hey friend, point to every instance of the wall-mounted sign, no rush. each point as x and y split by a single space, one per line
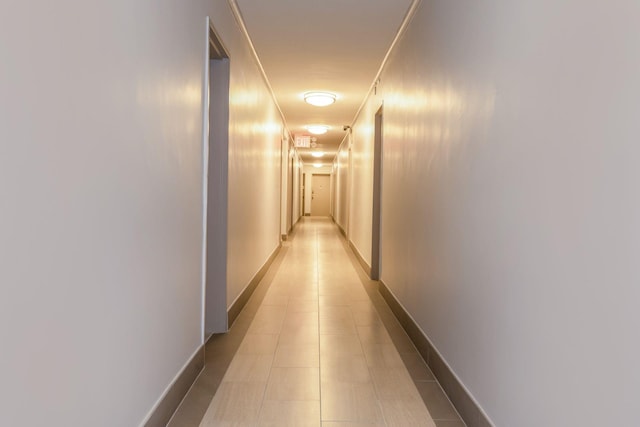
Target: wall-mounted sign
303 141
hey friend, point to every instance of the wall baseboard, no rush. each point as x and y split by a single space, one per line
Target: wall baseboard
344 234
366 267
164 409
467 407
241 301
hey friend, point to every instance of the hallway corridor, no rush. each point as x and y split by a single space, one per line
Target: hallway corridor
317 351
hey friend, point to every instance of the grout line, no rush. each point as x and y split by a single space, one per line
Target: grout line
317 284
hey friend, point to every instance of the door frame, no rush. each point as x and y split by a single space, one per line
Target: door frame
215 149
376 223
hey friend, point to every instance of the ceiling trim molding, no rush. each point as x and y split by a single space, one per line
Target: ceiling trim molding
401 30
237 14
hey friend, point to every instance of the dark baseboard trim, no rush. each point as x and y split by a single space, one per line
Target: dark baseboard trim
241 301
468 409
292 231
344 234
164 410
366 267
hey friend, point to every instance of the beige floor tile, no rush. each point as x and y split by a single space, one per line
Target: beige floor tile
332 312
358 294
249 367
293 384
406 413
298 337
298 328
340 345
304 292
258 344
234 402
356 402
344 369
277 413
393 384
302 274
383 355
374 334
278 288
301 318
365 317
334 325
304 306
340 276
331 288
276 299
350 424
268 320
334 299
297 356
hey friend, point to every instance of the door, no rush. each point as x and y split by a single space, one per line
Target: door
321 195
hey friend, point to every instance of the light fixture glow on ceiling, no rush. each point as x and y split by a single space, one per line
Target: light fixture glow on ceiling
319 99
317 129
317 165
317 153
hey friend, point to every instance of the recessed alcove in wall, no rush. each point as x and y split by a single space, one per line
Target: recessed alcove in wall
215 183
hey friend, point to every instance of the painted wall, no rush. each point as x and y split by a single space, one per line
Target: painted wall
254 166
101 201
511 212
361 182
341 171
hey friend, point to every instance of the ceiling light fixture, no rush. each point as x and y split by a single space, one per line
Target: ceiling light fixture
319 99
317 165
317 153
317 129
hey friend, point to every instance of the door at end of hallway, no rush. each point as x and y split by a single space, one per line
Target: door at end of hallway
321 195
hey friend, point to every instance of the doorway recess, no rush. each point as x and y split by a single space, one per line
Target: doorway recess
376 262
215 184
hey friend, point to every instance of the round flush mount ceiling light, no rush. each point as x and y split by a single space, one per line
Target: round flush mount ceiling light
317 154
319 99
317 129
317 165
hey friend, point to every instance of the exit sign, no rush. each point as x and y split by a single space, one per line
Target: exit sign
303 141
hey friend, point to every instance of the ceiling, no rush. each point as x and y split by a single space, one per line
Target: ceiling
335 46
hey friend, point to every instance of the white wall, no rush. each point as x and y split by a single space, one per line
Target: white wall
254 165
361 182
511 216
341 211
101 201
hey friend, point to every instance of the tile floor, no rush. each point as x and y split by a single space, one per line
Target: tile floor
315 346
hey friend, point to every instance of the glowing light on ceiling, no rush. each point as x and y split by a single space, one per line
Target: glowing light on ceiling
319 99
317 129
317 153
317 165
